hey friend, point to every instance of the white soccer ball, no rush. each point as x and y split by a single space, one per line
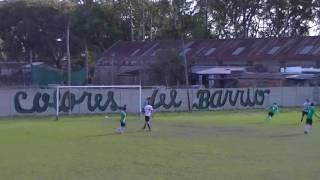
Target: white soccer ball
106 117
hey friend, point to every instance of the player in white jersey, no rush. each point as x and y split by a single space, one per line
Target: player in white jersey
306 106
148 109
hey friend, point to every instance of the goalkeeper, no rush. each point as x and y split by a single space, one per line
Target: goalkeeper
123 116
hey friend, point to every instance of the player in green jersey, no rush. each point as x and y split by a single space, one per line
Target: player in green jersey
123 116
273 109
311 112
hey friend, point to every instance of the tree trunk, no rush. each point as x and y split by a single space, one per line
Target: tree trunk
131 22
206 20
151 25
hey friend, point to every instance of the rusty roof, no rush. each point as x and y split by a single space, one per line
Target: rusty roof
266 49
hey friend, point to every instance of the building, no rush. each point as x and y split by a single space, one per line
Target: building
11 73
126 62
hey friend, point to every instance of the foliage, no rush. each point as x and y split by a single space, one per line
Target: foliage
168 68
32 27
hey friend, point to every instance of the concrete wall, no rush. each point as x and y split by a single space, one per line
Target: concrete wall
90 101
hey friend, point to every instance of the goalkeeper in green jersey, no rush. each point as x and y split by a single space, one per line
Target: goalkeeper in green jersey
123 116
273 109
311 112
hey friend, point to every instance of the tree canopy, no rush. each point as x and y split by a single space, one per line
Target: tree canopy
37 28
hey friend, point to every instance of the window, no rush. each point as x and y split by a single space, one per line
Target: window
155 52
210 51
306 50
189 44
238 51
199 51
135 52
185 51
273 50
316 51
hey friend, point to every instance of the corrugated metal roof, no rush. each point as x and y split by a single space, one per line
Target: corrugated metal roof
302 76
217 70
267 49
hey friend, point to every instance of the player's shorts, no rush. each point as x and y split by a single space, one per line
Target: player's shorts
147 118
122 124
270 114
304 113
309 121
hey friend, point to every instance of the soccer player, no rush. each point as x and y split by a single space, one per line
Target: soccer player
148 109
123 116
310 114
306 106
273 109
146 102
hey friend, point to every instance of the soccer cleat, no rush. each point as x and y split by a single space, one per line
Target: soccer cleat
305 132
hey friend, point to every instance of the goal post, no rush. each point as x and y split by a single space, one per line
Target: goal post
97 99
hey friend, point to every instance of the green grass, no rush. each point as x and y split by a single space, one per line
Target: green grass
199 145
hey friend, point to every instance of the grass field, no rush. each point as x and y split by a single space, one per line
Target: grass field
197 146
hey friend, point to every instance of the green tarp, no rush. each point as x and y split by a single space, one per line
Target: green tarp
43 76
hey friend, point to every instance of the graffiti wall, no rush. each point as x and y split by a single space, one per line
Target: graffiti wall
86 101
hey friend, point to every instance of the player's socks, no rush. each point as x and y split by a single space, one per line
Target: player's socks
306 129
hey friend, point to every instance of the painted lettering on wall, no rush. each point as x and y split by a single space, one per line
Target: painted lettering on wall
219 98
26 102
42 101
163 98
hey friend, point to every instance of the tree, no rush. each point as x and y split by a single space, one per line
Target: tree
32 27
201 24
168 68
287 17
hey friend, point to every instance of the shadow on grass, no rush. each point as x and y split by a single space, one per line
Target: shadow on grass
287 135
283 124
111 134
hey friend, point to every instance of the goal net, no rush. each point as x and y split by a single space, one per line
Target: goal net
97 99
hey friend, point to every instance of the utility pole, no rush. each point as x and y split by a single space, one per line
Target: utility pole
68 53
87 63
69 63
30 59
112 69
186 74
